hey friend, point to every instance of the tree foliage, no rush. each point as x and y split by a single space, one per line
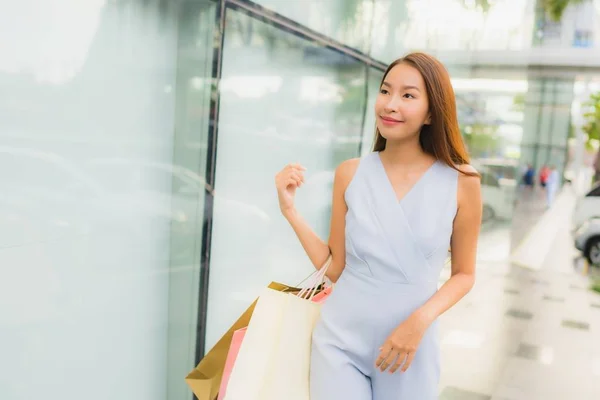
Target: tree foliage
592 119
556 8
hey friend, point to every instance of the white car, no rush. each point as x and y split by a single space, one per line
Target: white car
498 195
587 240
587 207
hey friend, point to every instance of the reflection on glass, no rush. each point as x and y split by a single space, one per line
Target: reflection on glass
428 24
97 220
282 100
347 21
374 81
547 120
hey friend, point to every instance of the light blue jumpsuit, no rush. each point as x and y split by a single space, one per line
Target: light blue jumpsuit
394 254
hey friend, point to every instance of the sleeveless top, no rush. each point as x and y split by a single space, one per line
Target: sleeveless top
404 241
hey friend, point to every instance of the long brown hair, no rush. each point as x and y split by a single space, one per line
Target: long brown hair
441 138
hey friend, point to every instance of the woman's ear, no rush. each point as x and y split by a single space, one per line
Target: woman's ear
428 119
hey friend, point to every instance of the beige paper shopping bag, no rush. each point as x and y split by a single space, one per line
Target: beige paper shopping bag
273 361
205 379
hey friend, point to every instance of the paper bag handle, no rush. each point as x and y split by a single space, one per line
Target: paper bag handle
318 278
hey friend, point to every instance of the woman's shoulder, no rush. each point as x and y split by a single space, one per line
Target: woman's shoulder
469 181
346 169
467 170
465 176
460 170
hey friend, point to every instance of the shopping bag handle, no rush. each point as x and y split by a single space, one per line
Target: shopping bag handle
314 274
318 278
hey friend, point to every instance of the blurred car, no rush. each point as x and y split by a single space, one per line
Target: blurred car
586 207
587 240
498 194
506 170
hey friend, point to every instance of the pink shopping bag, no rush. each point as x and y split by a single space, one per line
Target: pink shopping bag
234 348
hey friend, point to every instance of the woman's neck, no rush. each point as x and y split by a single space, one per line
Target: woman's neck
405 153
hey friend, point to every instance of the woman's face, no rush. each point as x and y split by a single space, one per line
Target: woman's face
402 107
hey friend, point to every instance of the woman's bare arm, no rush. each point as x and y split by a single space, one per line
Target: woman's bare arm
318 250
465 233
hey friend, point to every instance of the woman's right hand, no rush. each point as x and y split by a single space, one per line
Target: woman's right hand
287 181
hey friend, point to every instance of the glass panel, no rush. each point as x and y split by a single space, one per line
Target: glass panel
368 137
528 155
194 86
390 24
347 21
99 255
557 157
545 120
428 24
282 100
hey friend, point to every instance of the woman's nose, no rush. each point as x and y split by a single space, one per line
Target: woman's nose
393 104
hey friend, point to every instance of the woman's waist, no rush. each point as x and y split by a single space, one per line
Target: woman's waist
358 301
392 277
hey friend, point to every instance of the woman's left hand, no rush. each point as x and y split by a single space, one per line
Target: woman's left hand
402 344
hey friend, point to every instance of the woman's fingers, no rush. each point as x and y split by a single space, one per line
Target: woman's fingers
298 177
384 352
390 359
396 358
401 359
386 357
409 359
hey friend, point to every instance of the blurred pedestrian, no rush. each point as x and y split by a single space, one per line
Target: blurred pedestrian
544 173
552 185
529 176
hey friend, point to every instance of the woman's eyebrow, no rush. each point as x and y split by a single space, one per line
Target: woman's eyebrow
405 87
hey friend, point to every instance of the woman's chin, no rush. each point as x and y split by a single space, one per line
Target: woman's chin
398 136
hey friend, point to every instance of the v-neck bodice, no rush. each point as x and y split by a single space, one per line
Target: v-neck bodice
414 186
402 240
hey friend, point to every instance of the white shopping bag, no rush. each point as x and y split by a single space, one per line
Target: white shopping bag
273 362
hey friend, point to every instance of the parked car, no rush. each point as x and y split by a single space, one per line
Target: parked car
498 194
587 207
506 170
587 240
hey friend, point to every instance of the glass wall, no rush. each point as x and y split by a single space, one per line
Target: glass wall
347 21
368 135
384 28
104 113
194 93
547 120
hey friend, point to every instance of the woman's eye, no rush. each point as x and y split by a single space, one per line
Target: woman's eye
383 91
410 96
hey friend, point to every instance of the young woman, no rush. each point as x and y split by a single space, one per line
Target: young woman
395 212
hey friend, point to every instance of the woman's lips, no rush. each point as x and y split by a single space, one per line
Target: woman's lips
390 121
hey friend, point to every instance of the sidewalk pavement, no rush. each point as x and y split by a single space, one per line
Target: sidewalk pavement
525 332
